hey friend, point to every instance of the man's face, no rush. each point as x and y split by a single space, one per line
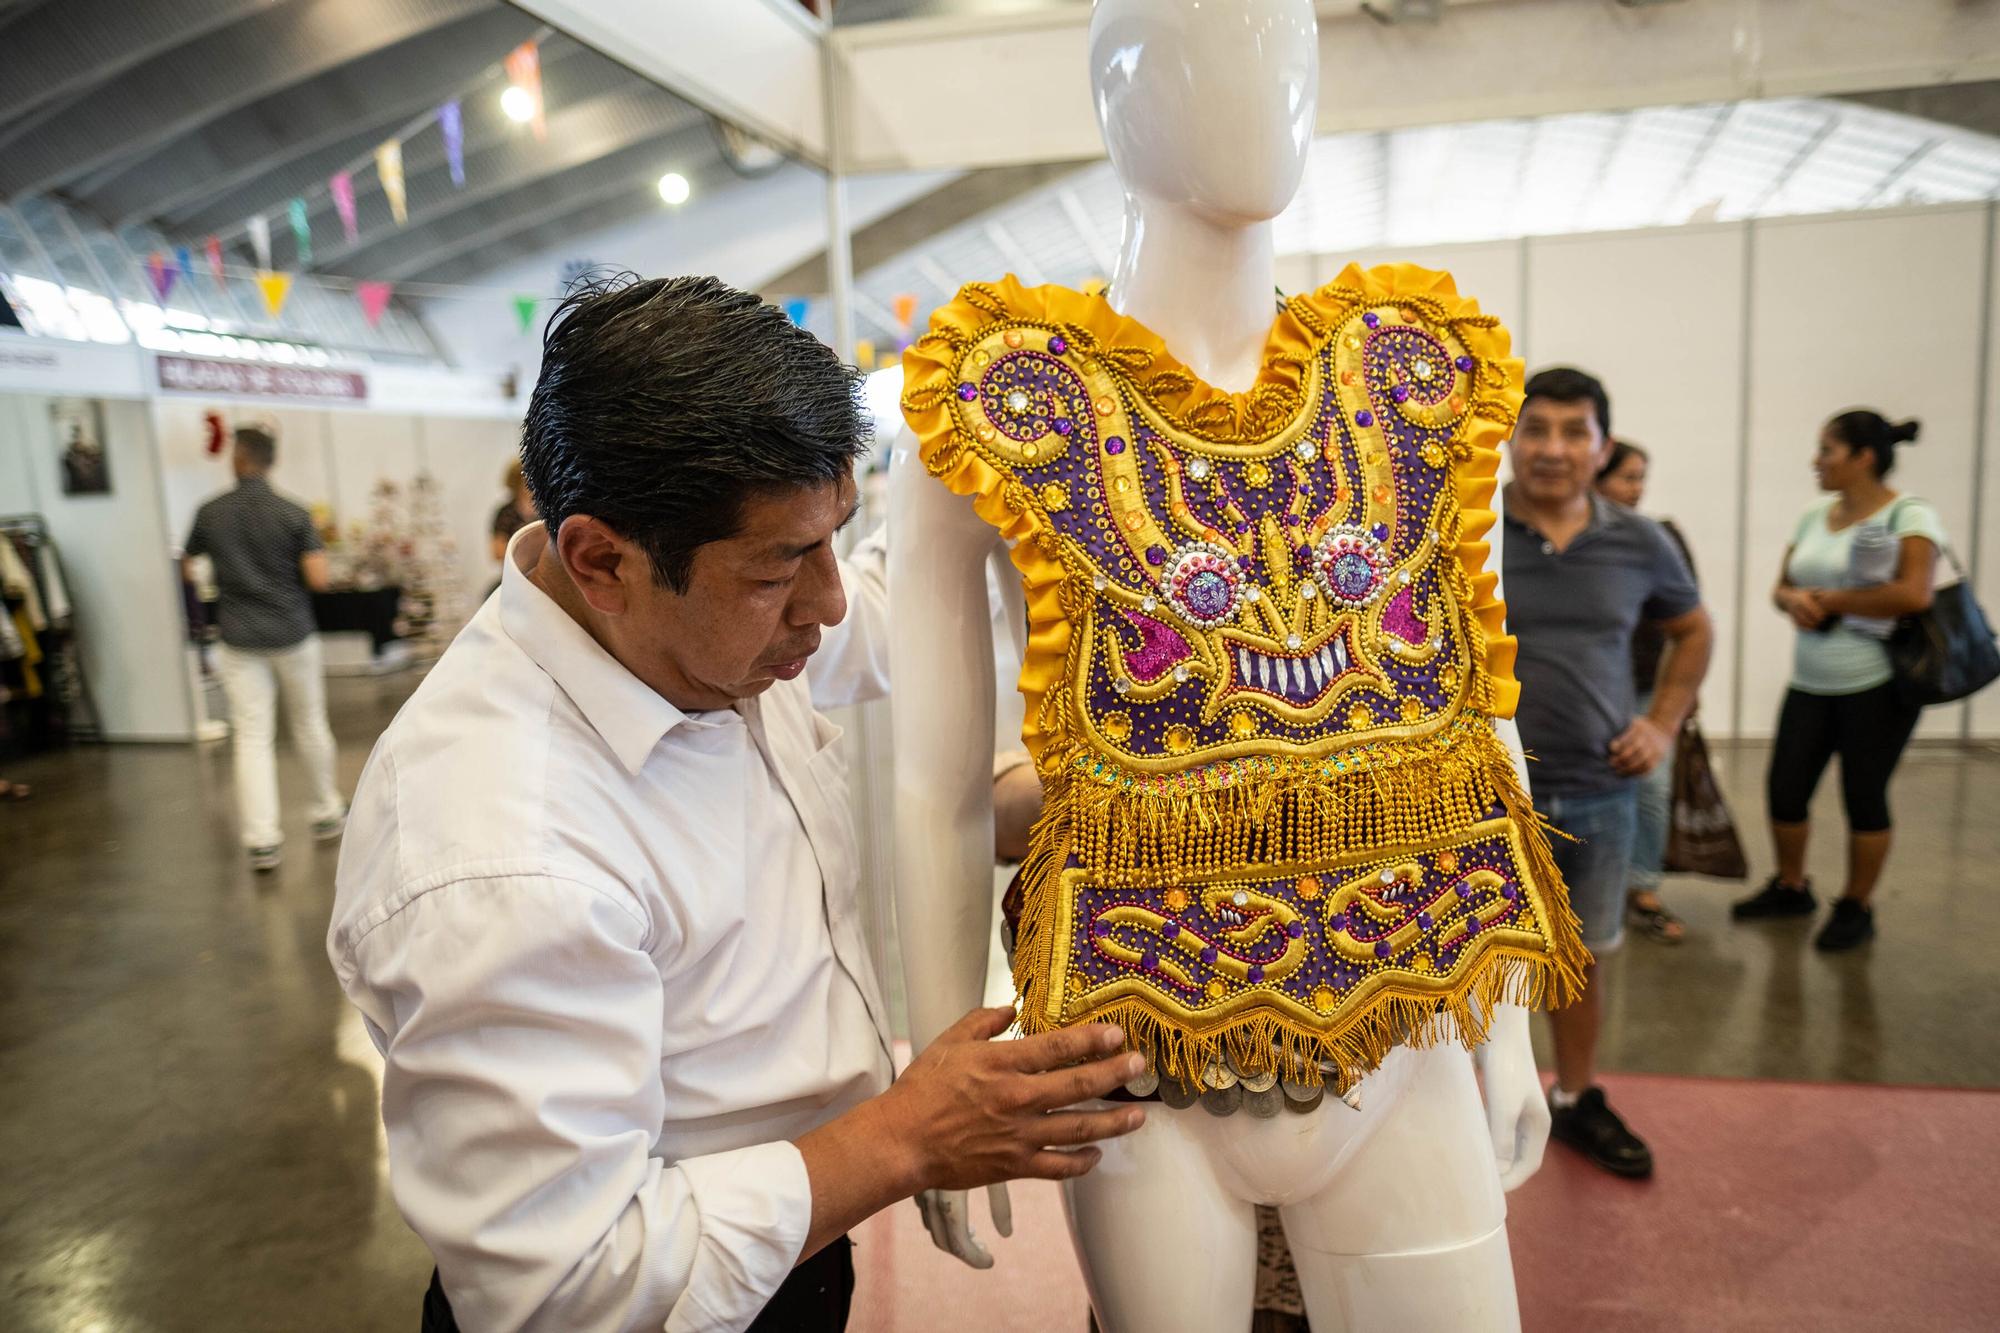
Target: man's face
755 603
1557 448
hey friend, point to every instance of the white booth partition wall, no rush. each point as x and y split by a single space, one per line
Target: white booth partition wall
114 544
334 459
1725 347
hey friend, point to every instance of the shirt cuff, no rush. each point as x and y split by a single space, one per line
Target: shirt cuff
755 1206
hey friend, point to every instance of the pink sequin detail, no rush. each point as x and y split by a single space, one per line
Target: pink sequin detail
1159 648
1399 618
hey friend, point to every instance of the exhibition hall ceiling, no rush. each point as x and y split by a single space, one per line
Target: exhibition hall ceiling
1661 166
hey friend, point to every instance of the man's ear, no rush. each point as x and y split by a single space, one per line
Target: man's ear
600 563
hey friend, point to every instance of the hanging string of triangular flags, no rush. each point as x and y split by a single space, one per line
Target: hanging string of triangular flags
522 67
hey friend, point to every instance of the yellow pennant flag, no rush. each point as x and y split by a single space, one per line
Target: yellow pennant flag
275 287
864 353
389 166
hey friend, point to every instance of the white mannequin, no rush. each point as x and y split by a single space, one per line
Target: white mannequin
1394 1213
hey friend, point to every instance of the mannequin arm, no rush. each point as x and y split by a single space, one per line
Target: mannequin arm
1517 1114
941 656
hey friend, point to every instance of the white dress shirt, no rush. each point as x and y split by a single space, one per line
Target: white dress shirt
612 956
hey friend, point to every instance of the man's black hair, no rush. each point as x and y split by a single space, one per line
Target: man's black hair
258 445
665 403
1566 384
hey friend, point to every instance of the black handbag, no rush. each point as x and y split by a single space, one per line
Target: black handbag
1947 652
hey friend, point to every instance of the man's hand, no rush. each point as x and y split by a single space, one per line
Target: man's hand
969 1111
974 1111
1639 748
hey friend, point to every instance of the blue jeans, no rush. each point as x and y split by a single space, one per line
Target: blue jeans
1598 862
1656 808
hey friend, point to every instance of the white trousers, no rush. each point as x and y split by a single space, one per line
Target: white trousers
253 681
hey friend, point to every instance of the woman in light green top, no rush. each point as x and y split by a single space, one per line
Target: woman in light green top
1860 558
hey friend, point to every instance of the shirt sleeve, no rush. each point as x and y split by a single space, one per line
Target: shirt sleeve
1674 593
308 535
520 1020
197 542
852 665
1918 518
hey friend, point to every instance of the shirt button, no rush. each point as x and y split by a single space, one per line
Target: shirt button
1548 548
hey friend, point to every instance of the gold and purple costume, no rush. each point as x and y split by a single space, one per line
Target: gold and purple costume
1263 663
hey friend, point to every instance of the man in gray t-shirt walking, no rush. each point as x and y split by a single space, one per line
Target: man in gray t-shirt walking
268 561
1578 574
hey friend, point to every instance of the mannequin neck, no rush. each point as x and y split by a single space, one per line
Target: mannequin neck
1206 288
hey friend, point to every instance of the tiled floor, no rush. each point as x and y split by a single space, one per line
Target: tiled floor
187 1106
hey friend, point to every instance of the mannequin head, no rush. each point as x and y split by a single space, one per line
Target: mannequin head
1207 104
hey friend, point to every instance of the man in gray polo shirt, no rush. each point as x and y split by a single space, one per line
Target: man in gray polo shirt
1580 574
268 561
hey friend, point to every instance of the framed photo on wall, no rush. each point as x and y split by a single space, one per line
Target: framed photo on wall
77 425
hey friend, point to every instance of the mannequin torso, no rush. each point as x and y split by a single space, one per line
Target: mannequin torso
1394 1212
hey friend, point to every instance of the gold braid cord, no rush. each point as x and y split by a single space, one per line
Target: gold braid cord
1264 658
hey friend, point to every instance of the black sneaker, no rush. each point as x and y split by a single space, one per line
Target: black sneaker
1852 923
1594 1129
1774 900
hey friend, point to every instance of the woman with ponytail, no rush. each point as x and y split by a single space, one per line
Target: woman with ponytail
1860 558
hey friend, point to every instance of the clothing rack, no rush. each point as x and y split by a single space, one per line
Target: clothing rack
79 718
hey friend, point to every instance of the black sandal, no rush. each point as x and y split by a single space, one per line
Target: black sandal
1655 922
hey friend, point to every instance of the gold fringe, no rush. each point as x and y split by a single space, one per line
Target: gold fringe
1284 819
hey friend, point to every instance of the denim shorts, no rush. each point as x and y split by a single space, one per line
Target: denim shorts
1597 864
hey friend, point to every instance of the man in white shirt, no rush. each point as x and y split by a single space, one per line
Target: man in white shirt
597 899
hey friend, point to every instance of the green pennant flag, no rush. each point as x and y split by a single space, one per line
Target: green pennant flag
301 231
524 310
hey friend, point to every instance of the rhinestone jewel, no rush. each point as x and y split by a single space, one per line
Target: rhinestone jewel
1241 899
1364 418
968 391
1098 583
1422 369
1371 319
1251 594
1388 877
1058 344
1197 468
1292 641
1122 686
1180 673
1017 400
1465 364
1149 604
1063 426
1308 591
1305 449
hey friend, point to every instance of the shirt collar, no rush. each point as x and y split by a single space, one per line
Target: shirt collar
1602 514
627 713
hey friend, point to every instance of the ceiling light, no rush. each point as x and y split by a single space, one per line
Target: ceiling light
518 103
674 188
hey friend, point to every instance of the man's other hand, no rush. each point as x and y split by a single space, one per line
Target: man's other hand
1639 748
974 1110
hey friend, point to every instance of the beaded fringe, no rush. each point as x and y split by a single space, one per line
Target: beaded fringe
1287 819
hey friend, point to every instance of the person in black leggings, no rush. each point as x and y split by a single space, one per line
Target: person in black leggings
1859 558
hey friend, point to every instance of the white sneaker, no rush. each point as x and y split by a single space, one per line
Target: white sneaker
266 858
329 830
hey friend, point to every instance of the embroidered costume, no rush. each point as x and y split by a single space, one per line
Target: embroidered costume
1262 664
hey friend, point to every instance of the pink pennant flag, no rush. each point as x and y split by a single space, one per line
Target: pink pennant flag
524 71
161 274
341 185
213 246
374 297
